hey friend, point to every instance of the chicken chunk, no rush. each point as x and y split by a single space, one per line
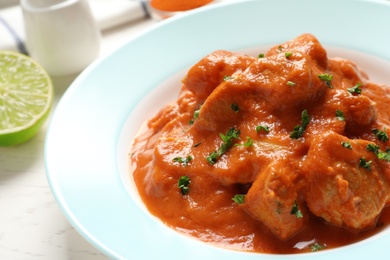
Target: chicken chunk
306 44
273 199
209 72
344 184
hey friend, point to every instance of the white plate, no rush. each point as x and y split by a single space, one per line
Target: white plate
88 137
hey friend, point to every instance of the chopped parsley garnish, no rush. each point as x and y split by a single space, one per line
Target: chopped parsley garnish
261 55
235 107
213 157
196 115
373 148
197 144
290 83
248 143
381 135
232 133
299 129
340 115
327 78
355 89
288 54
380 154
239 198
280 48
317 247
365 164
295 210
183 183
227 139
346 145
262 128
227 78
183 160
383 156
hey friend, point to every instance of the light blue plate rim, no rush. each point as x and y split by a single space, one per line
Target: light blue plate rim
84 133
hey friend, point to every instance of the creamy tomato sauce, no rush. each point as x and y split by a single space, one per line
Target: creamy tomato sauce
282 153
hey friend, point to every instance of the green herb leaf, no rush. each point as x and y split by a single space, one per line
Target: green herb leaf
227 139
183 184
327 78
261 55
340 115
212 158
227 78
239 198
232 133
262 127
248 143
197 144
373 148
365 164
235 107
383 156
380 154
381 135
317 247
196 115
288 54
183 160
300 129
295 210
290 83
346 145
355 89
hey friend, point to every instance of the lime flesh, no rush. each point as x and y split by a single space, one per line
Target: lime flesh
26 94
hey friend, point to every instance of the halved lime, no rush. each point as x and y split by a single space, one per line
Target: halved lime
26 94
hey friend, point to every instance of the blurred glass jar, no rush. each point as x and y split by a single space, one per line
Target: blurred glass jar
61 35
161 9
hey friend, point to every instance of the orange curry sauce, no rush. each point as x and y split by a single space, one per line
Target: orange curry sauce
301 138
178 5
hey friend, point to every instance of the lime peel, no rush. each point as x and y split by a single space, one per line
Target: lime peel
26 96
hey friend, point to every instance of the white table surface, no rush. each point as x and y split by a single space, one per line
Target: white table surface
32 225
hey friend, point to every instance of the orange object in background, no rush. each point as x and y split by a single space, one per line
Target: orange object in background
177 5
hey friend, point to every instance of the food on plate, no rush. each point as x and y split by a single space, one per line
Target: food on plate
284 152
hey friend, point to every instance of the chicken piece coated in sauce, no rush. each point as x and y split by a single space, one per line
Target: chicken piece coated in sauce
274 199
344 184
209 72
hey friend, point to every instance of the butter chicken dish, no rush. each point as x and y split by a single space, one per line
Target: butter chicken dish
285 152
